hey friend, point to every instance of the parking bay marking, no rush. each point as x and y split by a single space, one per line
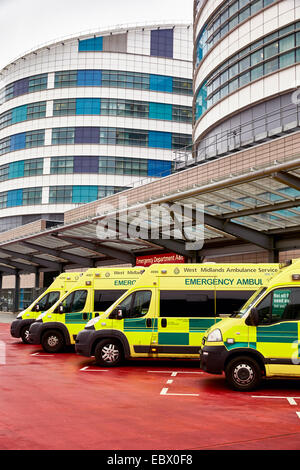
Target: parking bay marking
165 390
291 400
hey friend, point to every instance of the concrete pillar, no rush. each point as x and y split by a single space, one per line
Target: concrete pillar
17 292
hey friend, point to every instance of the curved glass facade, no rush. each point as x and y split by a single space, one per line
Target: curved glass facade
225 18
271 53
86 117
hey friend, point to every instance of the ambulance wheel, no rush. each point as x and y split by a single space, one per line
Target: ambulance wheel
109 353
243 373
25 334
53 341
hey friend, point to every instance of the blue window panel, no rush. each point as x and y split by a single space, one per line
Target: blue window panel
87 135
91 45
21 87
162 43
19 114
161 83
160 111
162 140
15 198
88 106
18 141
86 164
83 194
159 168
89 78
16 169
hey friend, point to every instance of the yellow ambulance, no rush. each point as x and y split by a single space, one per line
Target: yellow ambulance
169 309
263 339
62 284
96 290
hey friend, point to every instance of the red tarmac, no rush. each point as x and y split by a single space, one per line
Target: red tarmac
64 401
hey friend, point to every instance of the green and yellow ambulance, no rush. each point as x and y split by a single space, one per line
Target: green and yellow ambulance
96 290
263 339
167 312
62 284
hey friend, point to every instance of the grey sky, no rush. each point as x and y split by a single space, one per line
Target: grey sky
24 24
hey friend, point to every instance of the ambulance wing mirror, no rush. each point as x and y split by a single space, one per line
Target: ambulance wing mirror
116 314
37 308
253 317
61 308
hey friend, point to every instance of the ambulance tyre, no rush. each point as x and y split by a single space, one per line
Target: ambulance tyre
243 373
53 341
109 353
25 334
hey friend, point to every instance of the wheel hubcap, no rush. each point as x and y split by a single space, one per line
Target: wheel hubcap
243 374
110 353
52 341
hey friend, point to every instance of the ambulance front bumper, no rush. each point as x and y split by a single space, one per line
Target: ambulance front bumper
35 332
17 326
212 359
84 342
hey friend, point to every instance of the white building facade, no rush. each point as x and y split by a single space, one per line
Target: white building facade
88 116
246 74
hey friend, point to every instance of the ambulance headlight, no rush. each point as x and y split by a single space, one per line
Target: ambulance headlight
215 336
41 316
92 322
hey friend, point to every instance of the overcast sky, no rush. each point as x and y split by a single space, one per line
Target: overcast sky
25 24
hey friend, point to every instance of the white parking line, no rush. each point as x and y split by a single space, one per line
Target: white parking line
87 369
42 355
165 392
172 372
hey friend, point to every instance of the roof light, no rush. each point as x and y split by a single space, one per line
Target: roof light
88 283
164 271
296 277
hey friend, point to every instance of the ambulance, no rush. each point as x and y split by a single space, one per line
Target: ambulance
62 284
96 290
263 339
167 312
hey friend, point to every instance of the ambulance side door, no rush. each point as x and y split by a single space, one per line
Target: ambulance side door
277 335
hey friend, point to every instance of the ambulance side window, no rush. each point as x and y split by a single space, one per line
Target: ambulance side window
104 299
187 304
231 301
75 301
136 305
52 299
286 304
264 310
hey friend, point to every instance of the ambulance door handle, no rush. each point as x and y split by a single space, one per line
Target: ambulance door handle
163 322
149 322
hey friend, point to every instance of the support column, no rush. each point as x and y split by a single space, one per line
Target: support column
273 256
17 292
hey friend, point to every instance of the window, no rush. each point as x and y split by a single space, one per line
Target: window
136 305
182 86
287 43
32 196
4 145
103 299
47 301
60 194
35 138
181 140
132 137
38 82
36 110
287 59
75 302
271 66
3 200
271 50
61 165
182 114
65 79
280 305
5 119
187 304
33 167
4 172
123 166
228 302
64 107
63 135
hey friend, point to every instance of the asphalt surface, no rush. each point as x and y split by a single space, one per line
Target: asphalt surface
65 401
